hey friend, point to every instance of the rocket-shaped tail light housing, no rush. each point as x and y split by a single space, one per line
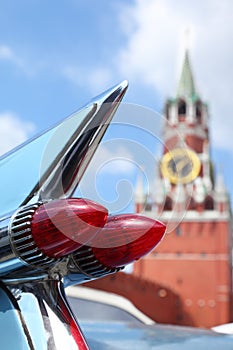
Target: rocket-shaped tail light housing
45 232
75 239
124 239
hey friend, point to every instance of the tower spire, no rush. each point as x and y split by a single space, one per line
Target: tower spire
186 88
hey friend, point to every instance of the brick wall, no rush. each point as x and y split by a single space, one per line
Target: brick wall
156 301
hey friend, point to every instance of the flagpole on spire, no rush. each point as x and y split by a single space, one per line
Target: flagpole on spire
187 39
186 88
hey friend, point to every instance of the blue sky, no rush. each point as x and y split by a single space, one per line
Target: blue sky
55 56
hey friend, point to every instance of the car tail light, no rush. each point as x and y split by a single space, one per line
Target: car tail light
124 239
61 227
76 240
55 229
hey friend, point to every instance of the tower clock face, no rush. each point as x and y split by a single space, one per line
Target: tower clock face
180 165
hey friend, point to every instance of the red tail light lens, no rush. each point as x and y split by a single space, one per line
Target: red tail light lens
126 238
60 227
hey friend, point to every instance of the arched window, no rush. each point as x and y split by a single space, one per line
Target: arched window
168 204
167 110
148 206
209 203
181 107
191 204
198 110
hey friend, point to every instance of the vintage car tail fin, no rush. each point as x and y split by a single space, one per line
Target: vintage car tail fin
51 165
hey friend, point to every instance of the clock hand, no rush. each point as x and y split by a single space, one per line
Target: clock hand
182 164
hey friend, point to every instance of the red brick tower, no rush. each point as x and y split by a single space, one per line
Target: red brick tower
194 259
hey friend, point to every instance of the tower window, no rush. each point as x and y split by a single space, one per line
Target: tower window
209 203
168 204
148 207
191 204
167 110
181 107
198 110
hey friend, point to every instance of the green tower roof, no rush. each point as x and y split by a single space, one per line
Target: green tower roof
186 87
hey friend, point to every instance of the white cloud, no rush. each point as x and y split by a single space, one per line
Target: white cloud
112 157
22 61
97 79
155 47
13 131
6 53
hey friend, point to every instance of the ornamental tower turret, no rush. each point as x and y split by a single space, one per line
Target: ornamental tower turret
195 257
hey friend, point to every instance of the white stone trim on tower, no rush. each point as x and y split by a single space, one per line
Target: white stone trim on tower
173 113
139 193
191 113
220 194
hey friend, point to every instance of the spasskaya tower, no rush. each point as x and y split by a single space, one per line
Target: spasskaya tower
194 259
